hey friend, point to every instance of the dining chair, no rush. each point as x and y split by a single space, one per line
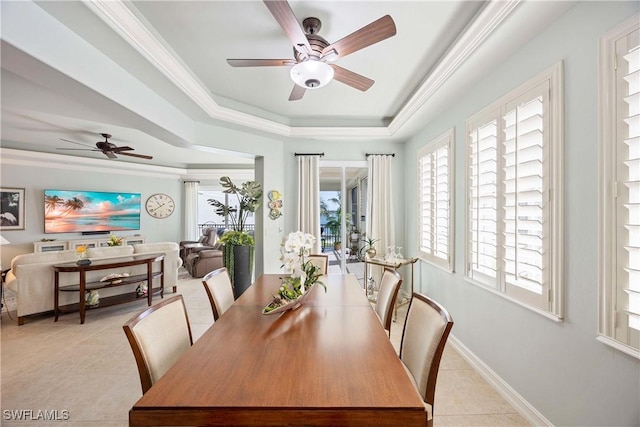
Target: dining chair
387 294
219 289
425 333
158 337
321 260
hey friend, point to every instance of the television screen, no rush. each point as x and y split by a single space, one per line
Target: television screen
90 211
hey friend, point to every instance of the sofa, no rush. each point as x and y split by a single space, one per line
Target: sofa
200 263
31 276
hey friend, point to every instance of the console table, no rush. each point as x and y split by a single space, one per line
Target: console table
394 264
106 264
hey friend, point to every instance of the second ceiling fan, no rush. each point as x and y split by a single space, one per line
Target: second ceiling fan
312 65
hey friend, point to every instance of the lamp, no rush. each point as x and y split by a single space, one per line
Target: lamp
311 74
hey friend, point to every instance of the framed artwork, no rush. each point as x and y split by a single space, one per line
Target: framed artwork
12 208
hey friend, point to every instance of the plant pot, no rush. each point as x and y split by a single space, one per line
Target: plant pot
371 252
239 264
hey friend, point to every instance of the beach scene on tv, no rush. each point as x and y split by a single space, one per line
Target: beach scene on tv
86 211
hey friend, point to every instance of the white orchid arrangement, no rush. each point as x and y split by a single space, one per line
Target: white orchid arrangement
304 274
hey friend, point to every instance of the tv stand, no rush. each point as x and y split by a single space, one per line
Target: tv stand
95 242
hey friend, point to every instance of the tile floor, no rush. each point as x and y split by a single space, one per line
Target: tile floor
87 373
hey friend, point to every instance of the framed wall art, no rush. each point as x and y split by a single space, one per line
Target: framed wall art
12 206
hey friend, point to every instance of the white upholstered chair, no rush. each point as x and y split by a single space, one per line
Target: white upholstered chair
425 334
387 294
158 337
321 260
219 289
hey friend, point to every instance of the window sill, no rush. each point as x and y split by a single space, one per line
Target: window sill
547 314
619 346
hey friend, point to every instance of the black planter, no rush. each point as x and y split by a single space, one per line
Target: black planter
241 268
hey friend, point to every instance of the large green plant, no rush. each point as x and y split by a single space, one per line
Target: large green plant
248 200
247 197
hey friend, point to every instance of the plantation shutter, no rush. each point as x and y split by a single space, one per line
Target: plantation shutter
628 188
483 209
435 199
525 203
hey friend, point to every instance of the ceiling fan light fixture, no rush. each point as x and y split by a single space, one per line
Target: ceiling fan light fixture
311 74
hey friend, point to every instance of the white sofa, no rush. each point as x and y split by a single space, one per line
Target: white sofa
32 278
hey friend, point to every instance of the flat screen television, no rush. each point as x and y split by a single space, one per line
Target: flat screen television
67 211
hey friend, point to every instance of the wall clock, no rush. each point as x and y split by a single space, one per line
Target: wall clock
160 205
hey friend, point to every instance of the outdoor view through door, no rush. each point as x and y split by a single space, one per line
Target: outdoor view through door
343 195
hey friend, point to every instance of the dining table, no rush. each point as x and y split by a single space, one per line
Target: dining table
327 362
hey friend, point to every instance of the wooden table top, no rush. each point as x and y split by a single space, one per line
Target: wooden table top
328 362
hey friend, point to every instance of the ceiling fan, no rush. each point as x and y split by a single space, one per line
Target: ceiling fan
312 67
108 149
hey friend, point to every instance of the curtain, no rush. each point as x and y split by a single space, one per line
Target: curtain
309 197
191 231
380 216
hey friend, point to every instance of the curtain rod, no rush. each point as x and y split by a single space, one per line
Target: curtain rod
309 154
381 154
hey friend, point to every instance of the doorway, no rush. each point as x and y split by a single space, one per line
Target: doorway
343 195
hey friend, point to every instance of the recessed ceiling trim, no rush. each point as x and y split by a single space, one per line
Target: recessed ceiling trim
61 161
482 27
125 23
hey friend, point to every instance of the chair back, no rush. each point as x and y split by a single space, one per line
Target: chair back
387 294
158 337
425 334
320 260
209 236
219 289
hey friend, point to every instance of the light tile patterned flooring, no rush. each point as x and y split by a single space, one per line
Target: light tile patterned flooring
89 370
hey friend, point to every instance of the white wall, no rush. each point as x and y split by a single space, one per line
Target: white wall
558 368
97 175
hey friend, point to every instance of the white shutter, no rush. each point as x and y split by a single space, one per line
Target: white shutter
514 224
435 176
482 203
628 200
525 185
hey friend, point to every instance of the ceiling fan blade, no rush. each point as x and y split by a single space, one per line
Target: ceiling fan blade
109 154
287 19
77 143
142 156
350 78
297 93
77 149
370 34
260 62
124 148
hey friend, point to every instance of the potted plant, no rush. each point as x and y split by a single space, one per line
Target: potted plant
238 245
369 248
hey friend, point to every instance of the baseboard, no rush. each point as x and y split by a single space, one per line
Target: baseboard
518 402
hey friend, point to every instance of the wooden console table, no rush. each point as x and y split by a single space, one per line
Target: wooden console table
105 264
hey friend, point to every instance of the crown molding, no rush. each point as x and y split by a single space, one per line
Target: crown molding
123 21
480 29
9 156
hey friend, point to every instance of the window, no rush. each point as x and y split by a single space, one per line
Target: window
435 180
619 252
514 238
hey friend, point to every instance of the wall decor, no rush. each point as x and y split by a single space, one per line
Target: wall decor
12 208
275 204
160 205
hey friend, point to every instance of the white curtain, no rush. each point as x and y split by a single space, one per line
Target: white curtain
191 231
309 197
380 216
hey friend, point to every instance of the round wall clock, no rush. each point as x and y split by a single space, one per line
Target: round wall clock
160 205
